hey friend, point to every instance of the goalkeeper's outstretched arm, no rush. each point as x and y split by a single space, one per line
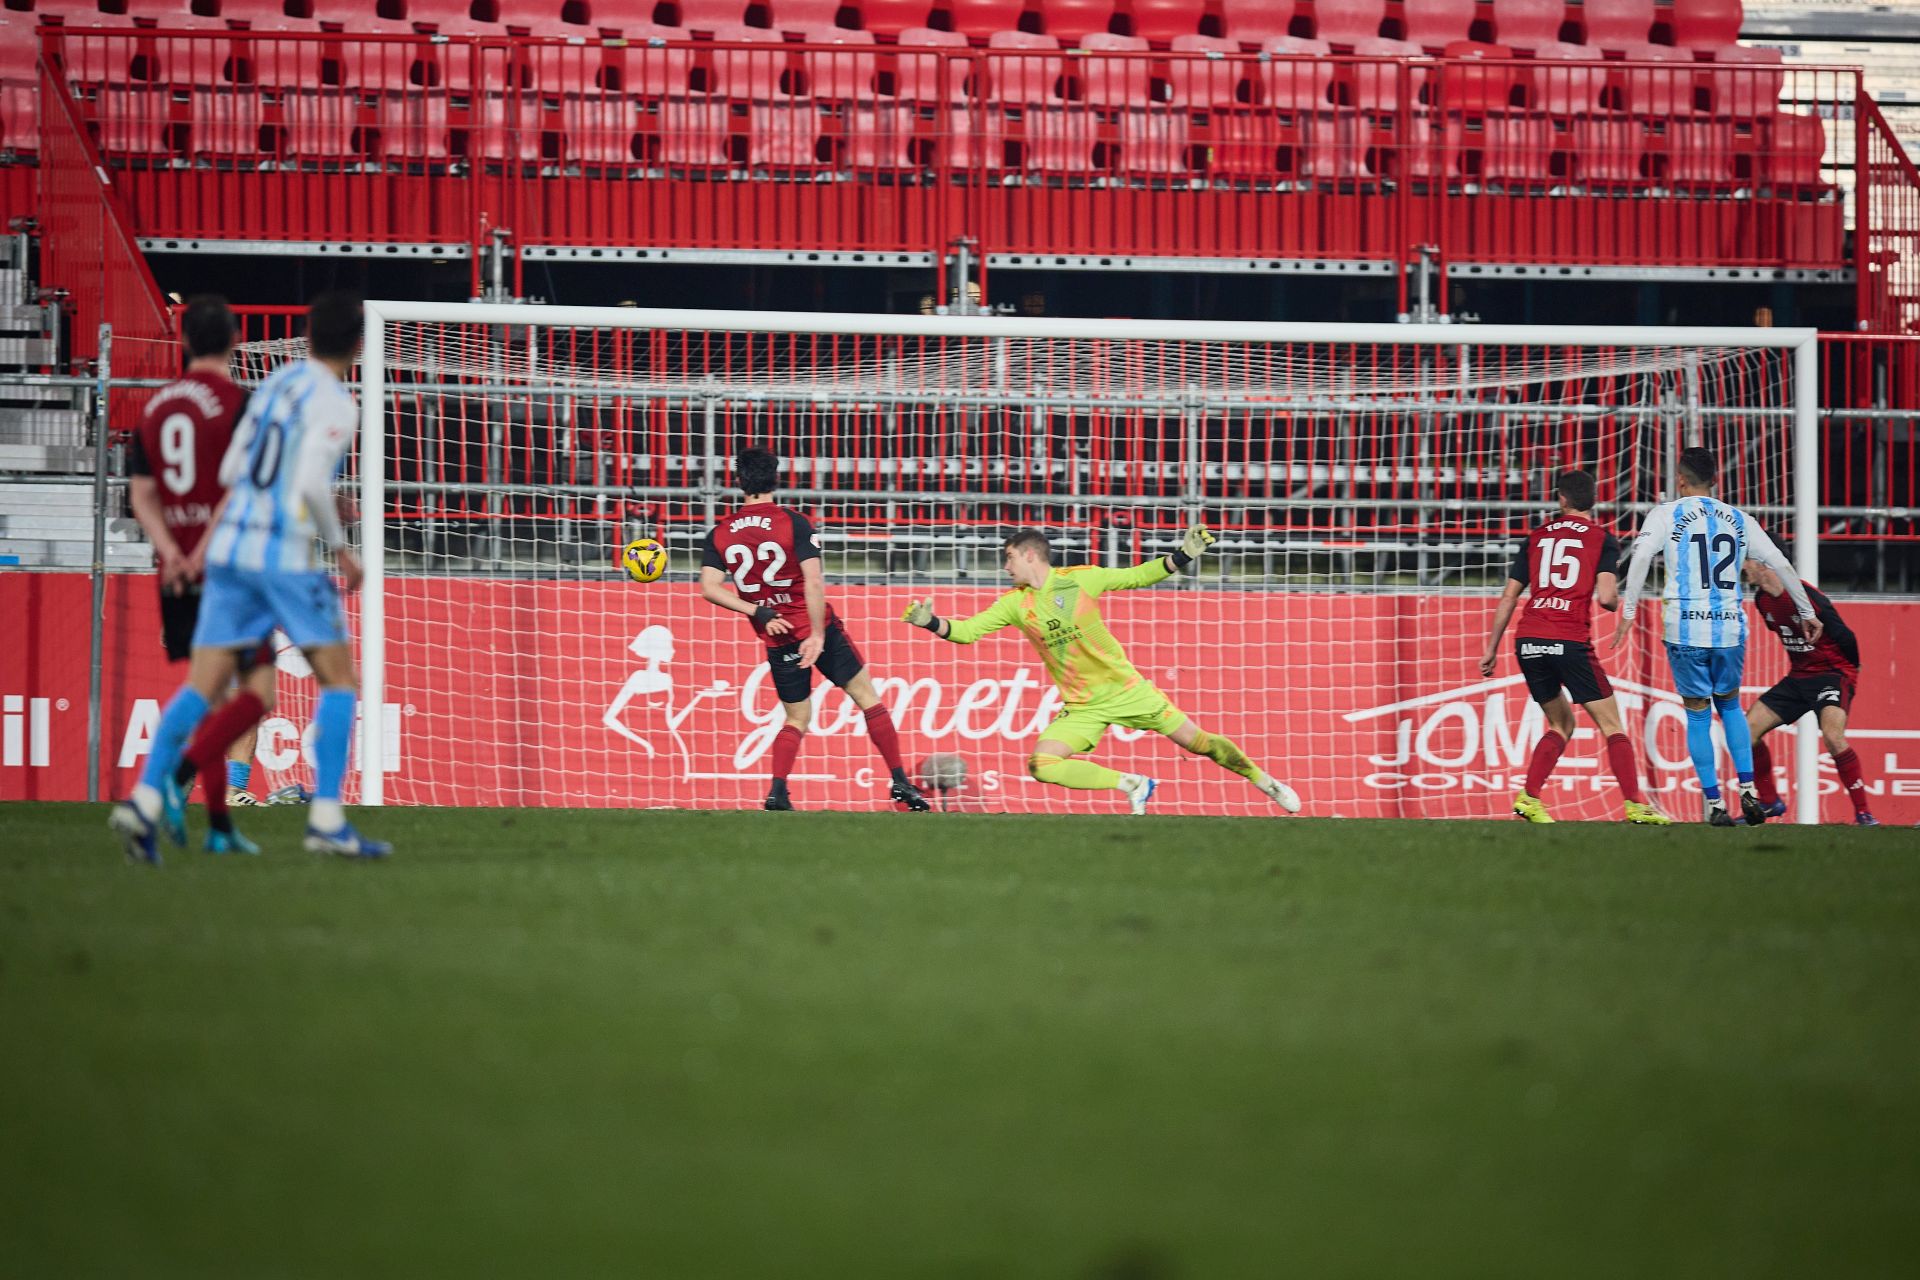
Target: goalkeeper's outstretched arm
1193 544
1001 613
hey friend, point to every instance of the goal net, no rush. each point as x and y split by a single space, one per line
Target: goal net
1369 486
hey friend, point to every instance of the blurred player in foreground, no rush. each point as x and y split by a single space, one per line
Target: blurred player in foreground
769 552
1058 610
1820 680
176 490
1568 564
1704 543
262 572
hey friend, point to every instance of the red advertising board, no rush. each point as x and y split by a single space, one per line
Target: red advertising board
523 692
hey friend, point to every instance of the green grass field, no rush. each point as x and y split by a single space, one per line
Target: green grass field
746 1045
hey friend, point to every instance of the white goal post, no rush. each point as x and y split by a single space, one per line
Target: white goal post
1440 434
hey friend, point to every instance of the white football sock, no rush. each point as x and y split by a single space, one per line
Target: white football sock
326 815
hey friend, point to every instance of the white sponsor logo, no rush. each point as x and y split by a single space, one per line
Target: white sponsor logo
25 731
282 743
1535 649
1829 694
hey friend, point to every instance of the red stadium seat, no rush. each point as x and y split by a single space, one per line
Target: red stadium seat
1072 21
1154 142
1435 24
1609 151
801 15
389 66
287 64
1663 88
1614 25
450 18
1379 86
133 121
693 132
1434 150
1529 24
263 15
1330 150
1516 149
891 17
1254 22
1206 83
1562 87
1022 78
917 77
880 137
1699 153
19 116
599 128
710 15
108 53
1797 144
749 73
226 122
1164 21
783 137
1298 76
1107 81
845 72
1061 140
1477 78
631 18
652 71
320 125
413 128
172 15
506 128
1745 81
972 140
1707 25
982 18
1349 22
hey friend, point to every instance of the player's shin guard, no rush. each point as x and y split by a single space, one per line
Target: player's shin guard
1081 775
1764 784
786 749
333 725
1739 736
177 722
1223 753
1626 770
208 751
886 739
239 772
1700 748
1851 780
1546 754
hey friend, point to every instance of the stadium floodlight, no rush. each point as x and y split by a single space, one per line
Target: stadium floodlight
1369 484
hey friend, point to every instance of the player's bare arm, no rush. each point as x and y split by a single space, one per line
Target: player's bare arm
144 494
714 590
813 587
1606 591
1502 615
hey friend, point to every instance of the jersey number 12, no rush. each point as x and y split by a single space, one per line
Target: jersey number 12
1716 573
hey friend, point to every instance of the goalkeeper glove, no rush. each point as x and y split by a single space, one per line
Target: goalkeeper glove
920 613
1197 540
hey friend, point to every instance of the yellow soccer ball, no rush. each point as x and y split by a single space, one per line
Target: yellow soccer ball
644 560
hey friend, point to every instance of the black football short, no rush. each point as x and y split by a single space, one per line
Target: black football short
1553 665
1797 695
839 662
180 614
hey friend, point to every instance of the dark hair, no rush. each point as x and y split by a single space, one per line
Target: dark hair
334 325
1697 466
1576 487
1033 540
756 470
208 325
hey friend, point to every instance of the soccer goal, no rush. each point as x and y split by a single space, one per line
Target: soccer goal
1369 485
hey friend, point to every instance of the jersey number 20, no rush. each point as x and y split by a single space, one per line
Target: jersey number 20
740 556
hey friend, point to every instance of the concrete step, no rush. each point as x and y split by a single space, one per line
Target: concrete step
43 426
27 352
33 553
60 528
46 459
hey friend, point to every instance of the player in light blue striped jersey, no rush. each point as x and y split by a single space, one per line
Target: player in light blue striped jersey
1704 543
263 570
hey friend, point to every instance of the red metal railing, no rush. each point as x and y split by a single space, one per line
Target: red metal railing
878 148
88 249
1888 226
1870 436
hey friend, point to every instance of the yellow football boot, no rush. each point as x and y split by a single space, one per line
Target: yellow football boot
1645 815
1525 806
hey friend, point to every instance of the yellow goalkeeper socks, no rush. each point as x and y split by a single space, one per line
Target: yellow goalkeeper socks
1223 753
1082 775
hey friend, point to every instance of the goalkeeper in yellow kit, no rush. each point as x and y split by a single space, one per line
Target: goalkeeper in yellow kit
1058 610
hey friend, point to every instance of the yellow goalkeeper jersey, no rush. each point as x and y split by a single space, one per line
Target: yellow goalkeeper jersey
1062 620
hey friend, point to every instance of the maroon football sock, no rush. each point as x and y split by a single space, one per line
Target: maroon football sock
1626 770
786 746
886 739
1764 784
1546 754
208 750
1850 780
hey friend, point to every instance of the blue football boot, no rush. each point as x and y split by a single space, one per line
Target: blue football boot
345 843
135 832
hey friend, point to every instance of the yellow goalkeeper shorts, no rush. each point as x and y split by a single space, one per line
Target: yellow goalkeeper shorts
1141 707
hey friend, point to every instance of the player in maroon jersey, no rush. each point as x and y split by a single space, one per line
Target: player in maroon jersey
1821 677
1567 564
769 552
174 462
